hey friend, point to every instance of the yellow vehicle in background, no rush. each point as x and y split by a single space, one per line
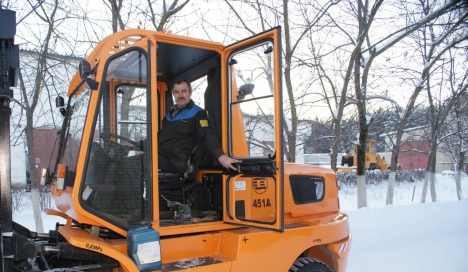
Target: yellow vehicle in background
373 160
266 216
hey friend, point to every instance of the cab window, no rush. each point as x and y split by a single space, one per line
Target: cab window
116 174
252 102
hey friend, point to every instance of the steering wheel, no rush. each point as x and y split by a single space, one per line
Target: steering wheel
107 135
118 149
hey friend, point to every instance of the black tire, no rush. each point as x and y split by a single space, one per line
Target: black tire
307 264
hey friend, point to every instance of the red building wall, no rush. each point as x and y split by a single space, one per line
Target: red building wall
414 155
44 142
45 149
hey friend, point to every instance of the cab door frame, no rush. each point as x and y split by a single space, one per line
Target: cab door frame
253 170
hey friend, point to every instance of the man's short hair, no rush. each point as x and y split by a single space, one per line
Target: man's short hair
180 81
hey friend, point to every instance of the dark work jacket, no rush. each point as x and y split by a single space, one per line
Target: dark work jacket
180 135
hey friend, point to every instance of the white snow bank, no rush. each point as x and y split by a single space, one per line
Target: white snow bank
424 237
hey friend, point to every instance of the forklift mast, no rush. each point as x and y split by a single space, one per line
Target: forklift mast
9 68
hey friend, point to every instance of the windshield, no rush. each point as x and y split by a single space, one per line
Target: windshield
72 129
115 181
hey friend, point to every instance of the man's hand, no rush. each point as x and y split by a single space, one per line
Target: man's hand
227 162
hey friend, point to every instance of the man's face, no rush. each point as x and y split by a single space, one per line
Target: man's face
181 94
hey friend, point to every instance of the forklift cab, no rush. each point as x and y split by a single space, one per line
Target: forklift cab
107 170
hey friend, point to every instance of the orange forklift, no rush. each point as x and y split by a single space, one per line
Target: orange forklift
124 214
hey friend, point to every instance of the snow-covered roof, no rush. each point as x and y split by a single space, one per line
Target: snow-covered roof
405 130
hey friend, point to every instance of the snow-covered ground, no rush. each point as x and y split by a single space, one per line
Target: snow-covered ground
408 236
413 238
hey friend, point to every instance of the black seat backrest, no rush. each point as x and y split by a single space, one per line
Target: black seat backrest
213 100
99 178
213 108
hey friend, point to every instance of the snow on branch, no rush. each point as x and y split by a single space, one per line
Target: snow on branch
335 114
287 123
441 138
395 37
420 82
368 119
384 97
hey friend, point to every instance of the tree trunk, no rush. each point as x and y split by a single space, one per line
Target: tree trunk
433 190
361 178
390 187
362 193
424 189
361 163
360 91
334 158
33 174
461 162
432 169
393 165
291 133
336 144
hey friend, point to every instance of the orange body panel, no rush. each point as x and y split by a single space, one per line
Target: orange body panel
245 247
330 202
241 248
85 240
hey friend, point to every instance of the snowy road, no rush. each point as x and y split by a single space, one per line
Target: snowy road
424 237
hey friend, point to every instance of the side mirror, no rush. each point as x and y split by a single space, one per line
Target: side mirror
86 73
59 102
244 90
85 69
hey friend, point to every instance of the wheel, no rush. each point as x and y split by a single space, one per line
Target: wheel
307 264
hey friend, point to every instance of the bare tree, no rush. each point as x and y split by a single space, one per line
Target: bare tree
42 74
462 149
160 15
335 97
360 63
431 41
454 146
441 129
117 22
47 14
453 33
460 114
439 110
